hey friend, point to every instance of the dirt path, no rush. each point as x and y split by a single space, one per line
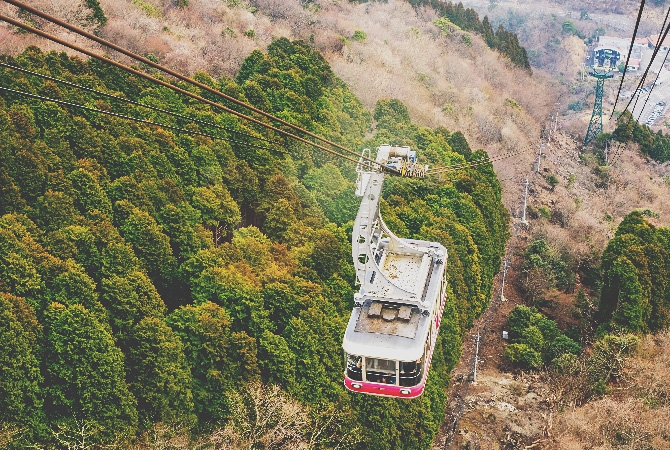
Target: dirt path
502 409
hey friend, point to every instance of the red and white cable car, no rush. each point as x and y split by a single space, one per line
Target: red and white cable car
393 327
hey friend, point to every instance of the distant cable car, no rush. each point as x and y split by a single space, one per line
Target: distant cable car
393 327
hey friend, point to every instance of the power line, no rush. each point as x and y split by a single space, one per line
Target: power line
134 119
177 75
153 108
41 33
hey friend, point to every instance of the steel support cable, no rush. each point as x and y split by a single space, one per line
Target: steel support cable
153 108
367 161
653 84
177 75
467 166
630 51
474 163
616 156
454 166
644 76
451 166
658 41
134 119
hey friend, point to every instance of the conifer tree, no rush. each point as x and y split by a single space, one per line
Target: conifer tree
84 377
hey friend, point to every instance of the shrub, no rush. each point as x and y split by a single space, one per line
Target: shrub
577 105
543 211
571 180
359 36
98 14
552 180
535 337
523 356
148 8
561 346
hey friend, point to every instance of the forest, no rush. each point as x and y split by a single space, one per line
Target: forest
623 298
654 145
502 40
193 279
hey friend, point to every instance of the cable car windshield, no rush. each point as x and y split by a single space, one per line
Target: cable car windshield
380 365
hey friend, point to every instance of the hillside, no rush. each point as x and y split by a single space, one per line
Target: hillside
445 78
174 274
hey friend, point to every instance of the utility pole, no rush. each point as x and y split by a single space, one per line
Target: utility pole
556 119
552 127
525 198
539 155
606 153
474 375
506 265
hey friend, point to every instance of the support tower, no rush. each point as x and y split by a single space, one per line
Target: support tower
596 124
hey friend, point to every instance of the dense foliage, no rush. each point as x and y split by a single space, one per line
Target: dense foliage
536 339
502 40
636 266
545 268
655 145
147 275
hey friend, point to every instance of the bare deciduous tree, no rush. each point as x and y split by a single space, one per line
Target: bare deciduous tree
263 417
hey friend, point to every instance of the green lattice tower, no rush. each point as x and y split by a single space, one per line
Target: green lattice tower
596 124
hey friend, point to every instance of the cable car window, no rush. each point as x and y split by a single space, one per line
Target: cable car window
382 365
355 367
411 372
380 370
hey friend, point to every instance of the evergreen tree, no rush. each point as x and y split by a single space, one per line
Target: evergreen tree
215 369
159 375
84 376
20 397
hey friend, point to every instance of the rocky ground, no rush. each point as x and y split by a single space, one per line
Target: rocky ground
501 409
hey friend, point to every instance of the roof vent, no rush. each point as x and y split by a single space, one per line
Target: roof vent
389 314
375 309
405 313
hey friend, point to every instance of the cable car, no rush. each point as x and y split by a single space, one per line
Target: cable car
389 341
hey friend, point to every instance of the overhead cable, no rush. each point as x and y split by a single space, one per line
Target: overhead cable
653 57
183 91
630 51
652 86
123 99
477 162
135 119
643 80
177 75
